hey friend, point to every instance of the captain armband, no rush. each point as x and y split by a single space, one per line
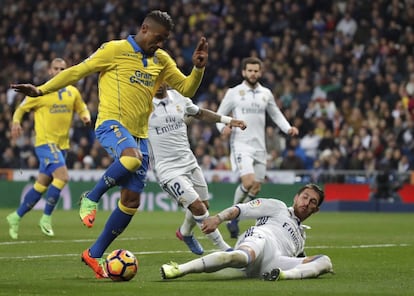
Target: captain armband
225 119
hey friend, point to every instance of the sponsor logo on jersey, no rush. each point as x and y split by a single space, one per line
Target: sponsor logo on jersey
59 108
143 78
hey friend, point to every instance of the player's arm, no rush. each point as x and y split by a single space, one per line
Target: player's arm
225 108
211 223
66 77
185 85
81 109
280 119
193 110
25 106
212 117
188 85
97 62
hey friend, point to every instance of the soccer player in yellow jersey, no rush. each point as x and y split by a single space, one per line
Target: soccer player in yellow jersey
130 72
53 113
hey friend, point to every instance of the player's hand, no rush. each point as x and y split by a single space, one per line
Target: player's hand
238 123
210 224
27 89
86 121
16 130
293 131
200 55
226 131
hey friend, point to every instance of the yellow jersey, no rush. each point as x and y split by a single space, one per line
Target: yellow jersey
128 80
53 114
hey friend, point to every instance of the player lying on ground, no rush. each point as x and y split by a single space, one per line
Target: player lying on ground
267 250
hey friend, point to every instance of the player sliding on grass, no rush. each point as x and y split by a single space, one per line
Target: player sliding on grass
267 250
131 71
53 114
175 165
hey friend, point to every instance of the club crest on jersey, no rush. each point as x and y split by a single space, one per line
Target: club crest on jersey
255 203
178 108
242 93
155 59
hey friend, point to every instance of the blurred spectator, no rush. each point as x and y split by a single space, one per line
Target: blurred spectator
291 161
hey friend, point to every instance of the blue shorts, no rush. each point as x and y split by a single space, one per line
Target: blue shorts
115 138
50 158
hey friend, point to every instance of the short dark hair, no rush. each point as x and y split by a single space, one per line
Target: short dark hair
162 18
251 60
317 189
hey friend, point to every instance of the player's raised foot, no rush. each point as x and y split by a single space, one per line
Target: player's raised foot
170 271
191 242
87 210
273 275
96 264
45 225
233 228
13 219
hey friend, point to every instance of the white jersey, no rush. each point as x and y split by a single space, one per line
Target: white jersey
278 229
251 106
170 151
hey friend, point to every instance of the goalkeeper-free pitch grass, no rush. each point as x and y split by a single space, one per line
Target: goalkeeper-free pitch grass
372 254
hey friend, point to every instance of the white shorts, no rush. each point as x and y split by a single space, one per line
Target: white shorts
249 163
185 189
268 256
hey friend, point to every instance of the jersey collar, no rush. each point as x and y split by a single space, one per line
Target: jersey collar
253 90
293 216
137 48
157 101
134 45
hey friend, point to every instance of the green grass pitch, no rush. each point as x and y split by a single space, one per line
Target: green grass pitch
372 254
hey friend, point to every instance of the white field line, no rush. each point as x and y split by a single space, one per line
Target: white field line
138 253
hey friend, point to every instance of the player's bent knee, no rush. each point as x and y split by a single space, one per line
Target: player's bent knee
238 258
197 208
59 183
127 210
130 163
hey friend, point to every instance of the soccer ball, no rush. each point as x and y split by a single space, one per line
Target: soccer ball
121 265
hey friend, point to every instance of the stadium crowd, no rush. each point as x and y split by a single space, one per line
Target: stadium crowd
341 71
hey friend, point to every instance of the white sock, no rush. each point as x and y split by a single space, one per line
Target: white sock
215 261
318 266
215 237
188 224
240 194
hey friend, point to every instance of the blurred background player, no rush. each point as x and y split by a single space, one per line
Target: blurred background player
53 114
249 101
175 165
131 70
267 250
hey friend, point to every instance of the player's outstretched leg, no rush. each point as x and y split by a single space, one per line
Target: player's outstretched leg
170 271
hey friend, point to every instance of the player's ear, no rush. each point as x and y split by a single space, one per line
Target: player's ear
144 28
